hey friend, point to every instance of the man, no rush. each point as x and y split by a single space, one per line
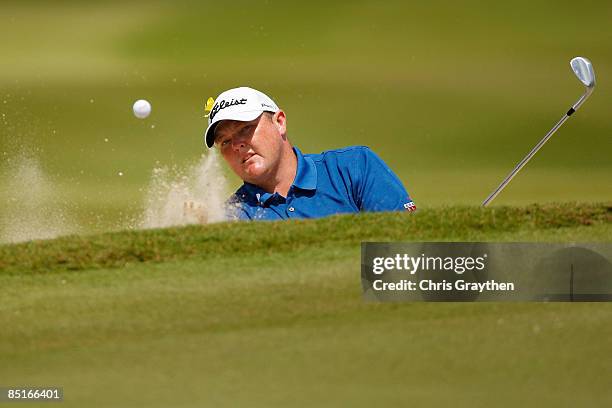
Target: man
281 182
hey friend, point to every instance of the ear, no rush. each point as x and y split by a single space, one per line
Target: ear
280 120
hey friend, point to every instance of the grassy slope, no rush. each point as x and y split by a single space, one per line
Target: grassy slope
259 314
227 239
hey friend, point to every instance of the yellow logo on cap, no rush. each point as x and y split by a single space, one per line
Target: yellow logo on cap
209 105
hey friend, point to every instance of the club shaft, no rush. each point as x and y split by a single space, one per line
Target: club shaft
584 71
525 160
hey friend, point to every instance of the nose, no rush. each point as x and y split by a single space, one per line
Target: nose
238 143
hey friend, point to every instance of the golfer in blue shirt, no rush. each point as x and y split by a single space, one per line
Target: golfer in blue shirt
280 182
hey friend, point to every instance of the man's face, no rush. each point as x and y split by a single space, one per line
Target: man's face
253 149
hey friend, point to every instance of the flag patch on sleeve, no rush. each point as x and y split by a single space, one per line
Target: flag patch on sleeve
410 206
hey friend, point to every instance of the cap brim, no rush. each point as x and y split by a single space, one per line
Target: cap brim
209 135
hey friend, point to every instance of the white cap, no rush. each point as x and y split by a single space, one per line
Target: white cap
243 104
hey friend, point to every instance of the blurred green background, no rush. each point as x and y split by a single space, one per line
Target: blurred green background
451 94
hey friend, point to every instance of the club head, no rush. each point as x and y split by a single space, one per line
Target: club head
583 69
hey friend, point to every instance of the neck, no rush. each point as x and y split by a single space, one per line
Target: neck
285 174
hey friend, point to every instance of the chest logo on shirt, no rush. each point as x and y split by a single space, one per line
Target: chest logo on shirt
410 206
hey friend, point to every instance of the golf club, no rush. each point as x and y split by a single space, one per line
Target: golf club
583 69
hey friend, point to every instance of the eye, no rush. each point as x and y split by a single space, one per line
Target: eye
222 141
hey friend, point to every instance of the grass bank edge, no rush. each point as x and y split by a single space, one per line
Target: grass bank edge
451 223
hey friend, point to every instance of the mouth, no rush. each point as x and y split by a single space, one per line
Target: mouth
248 157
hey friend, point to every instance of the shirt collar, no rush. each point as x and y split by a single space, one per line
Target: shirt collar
305 178
306 174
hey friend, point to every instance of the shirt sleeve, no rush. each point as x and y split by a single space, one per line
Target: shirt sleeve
379 189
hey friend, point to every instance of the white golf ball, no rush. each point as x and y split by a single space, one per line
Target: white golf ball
142 108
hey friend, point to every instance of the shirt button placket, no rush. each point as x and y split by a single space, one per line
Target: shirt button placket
290 208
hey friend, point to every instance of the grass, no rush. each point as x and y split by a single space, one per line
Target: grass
450 95
227 239
266 314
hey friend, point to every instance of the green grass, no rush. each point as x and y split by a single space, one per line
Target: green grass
265 238
271 314
450 94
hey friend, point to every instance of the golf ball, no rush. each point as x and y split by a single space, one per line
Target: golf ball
142 108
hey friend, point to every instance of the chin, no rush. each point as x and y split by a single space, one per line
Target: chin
251 173
255 169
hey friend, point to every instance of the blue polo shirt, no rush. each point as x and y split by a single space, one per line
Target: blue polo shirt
347 180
